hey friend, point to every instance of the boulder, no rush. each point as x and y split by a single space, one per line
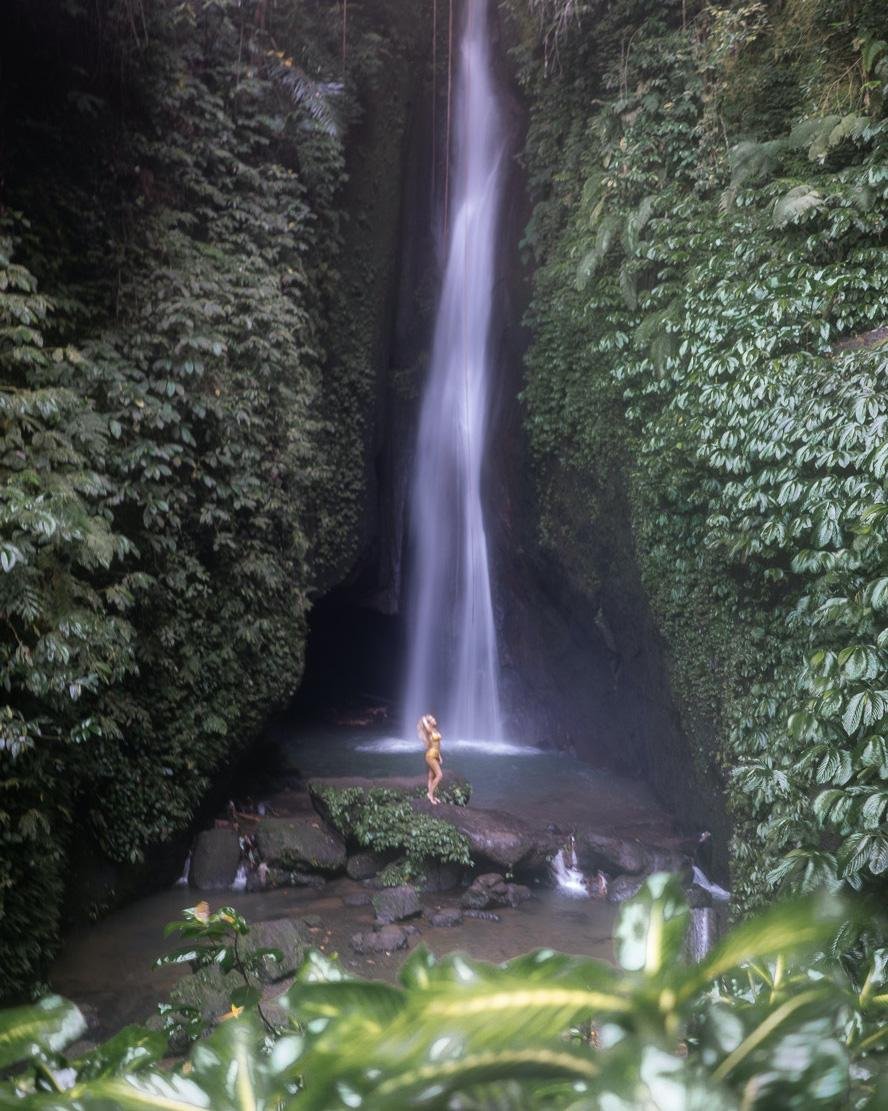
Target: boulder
516 894
385 940
281 877
365 865
627 856
441 876
393 904
357 899
623 887
288 935
300 844
215 860
613 854
493 835
476 898
275 1012
491 890
208 990
449 916
486 890
669 860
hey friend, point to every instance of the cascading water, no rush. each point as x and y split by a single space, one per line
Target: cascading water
453 662
567 872
569 877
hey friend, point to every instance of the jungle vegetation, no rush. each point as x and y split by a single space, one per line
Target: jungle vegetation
762 1022
183 398
186 382
709 323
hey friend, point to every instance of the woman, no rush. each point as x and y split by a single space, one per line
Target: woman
427 728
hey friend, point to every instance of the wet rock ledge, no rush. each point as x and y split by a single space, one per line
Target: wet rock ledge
329 828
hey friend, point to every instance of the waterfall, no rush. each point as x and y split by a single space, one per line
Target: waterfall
701 880
567 871
571 879
453 662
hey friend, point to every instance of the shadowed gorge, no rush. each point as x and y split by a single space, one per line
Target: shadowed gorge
521 362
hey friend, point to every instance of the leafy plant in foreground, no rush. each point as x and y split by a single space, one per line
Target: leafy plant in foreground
217 938
760 1023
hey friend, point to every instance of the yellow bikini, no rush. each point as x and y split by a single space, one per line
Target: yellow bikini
433 748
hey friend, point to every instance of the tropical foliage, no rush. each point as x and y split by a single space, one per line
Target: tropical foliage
383 820
706 318
170 249
749 1027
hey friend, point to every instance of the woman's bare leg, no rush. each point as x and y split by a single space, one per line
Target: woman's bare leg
435 778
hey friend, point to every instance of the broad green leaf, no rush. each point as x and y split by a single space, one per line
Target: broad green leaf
651 928
130 1050
797 927
47 1026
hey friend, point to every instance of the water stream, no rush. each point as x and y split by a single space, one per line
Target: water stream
566 869
453 661
109 964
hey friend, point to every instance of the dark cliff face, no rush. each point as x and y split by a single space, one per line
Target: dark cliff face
583 668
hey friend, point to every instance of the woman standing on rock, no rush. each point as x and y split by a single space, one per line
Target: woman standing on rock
427 728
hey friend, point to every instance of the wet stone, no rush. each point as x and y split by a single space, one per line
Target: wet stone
475 899
393 904
623 887
385 940
357 899
449 916
282 877
364 865
288 936
214 860
208 990
484 892
491 890
441 876
516 894
300 844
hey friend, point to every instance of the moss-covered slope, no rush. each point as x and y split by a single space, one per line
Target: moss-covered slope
711 204
176 342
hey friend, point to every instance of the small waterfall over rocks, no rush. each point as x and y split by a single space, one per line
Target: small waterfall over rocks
718 894
571 879
566 871
452 651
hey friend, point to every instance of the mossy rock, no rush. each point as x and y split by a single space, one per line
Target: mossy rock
454 789
209 990
288 935
299 844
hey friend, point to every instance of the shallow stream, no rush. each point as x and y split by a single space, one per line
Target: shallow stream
109 965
